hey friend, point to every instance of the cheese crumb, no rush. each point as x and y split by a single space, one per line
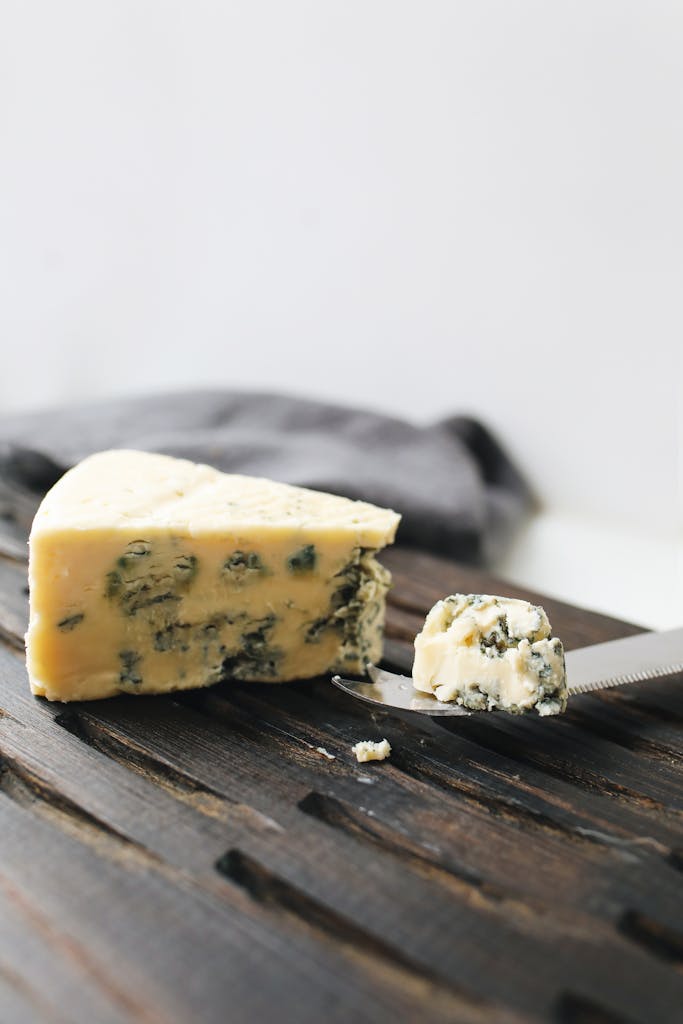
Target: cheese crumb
326 753
366 750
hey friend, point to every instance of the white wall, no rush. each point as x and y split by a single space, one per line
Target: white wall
427 206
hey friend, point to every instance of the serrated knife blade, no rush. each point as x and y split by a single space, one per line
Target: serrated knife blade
630 660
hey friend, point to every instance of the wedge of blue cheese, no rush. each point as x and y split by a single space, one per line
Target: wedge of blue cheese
487 652
150 574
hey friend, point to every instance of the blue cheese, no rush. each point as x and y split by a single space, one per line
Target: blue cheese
150 574
368 750
487 652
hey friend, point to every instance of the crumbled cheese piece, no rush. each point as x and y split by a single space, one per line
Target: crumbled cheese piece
366 750
326 753
150 574
487 652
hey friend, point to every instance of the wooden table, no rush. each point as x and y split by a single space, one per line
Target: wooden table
198 859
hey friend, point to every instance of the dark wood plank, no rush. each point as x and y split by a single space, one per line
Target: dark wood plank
162 831
296 857
165 949
504 869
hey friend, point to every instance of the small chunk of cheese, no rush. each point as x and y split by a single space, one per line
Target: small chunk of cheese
367 750
150 574
487 652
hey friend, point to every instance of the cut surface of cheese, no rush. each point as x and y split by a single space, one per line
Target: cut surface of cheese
150 574
487 652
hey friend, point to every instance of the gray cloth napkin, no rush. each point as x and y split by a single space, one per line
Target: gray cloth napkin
458 492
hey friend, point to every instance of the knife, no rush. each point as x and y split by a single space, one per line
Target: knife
633 659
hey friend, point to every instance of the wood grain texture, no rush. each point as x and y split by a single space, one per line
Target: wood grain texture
197 858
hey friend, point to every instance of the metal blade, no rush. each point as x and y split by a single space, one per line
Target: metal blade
631 660
391 692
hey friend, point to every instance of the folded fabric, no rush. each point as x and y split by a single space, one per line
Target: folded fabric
458 492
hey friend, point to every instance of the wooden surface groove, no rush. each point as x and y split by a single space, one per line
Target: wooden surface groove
183 858
576 1009
661 940
268 888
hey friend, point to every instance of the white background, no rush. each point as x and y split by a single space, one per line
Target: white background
429 207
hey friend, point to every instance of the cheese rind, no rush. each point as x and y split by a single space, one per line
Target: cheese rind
150 574
368 750
486 652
